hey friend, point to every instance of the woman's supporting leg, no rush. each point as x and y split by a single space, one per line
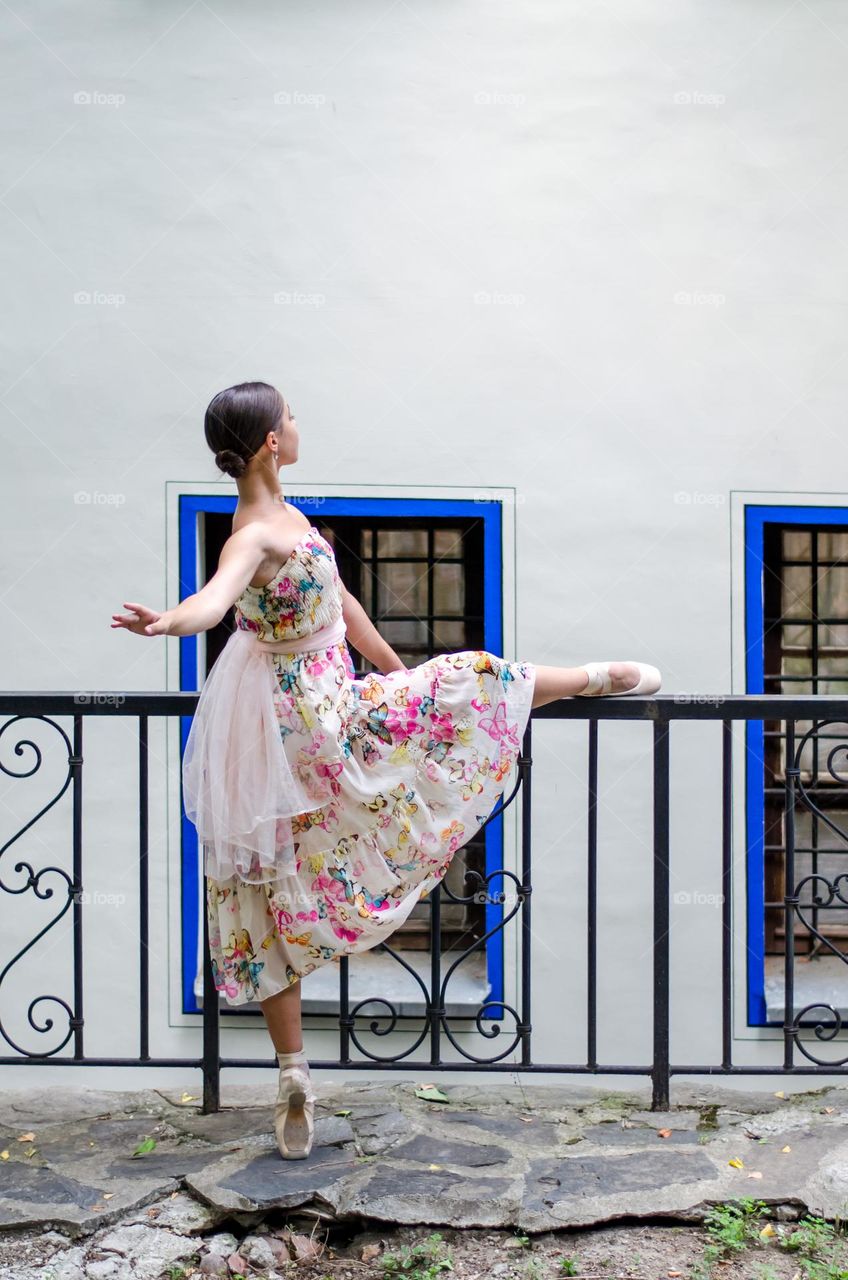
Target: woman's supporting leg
566 682
282 1014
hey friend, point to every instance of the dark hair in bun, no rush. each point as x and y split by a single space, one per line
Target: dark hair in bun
237 422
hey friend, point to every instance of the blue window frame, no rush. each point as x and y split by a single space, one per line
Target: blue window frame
191 507
756 518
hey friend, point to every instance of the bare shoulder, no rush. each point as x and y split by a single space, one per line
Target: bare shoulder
270 540
300 520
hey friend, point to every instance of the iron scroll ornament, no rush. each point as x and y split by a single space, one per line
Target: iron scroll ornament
833 895
33 882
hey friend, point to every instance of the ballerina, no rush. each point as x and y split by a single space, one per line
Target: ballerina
327 805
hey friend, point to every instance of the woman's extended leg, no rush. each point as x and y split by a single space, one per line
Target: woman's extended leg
567 682
282 1014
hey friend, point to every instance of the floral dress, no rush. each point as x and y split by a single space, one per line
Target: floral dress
405 768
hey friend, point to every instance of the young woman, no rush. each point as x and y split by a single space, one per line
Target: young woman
327 805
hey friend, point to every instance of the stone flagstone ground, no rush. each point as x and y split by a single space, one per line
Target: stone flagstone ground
146 1176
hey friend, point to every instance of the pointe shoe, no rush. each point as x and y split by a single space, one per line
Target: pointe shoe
600 683
294 1113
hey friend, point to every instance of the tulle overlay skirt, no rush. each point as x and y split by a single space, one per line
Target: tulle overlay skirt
347 804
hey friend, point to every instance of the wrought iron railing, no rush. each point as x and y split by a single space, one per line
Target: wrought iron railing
19 876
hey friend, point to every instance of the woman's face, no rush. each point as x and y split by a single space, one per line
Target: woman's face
288 437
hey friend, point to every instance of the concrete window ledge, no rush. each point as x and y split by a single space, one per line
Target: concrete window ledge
374 974
823 981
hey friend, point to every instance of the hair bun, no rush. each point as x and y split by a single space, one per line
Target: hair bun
231 462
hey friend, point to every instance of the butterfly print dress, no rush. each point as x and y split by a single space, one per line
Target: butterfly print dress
402 769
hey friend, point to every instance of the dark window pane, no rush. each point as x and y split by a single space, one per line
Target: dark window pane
448 588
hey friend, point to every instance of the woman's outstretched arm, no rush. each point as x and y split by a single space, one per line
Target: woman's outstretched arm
241 556
365 637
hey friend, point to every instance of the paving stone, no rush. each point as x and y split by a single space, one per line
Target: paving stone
576 1190
431 1149
267 1180
27 1108
377 1130
637 1135
28 1184
533 1132
58 1143
233 1124
170 1164
394 1193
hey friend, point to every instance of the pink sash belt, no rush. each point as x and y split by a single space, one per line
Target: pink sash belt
316 641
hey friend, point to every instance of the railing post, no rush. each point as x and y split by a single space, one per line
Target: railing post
592 903
790 900
211 1023
526 1026
75 762
726 893
143 889
660 1073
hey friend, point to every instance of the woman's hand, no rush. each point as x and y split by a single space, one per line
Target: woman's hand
143 621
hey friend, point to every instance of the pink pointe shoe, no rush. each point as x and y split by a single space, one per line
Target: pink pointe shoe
600 682
294 1113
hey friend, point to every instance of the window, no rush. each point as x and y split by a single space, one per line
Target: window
806 651
796 642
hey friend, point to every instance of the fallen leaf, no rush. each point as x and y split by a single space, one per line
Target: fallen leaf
143 1147
431 1093
780 1094
31 1152
153 1211
527 1119
189 1097
347 1113
767 1232
827 1110
782 1149
662 1133
736 1163
107 1195
437 1166
755 1173
29 1137
4 1155
674 1273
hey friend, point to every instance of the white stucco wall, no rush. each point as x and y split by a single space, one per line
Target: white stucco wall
592 252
